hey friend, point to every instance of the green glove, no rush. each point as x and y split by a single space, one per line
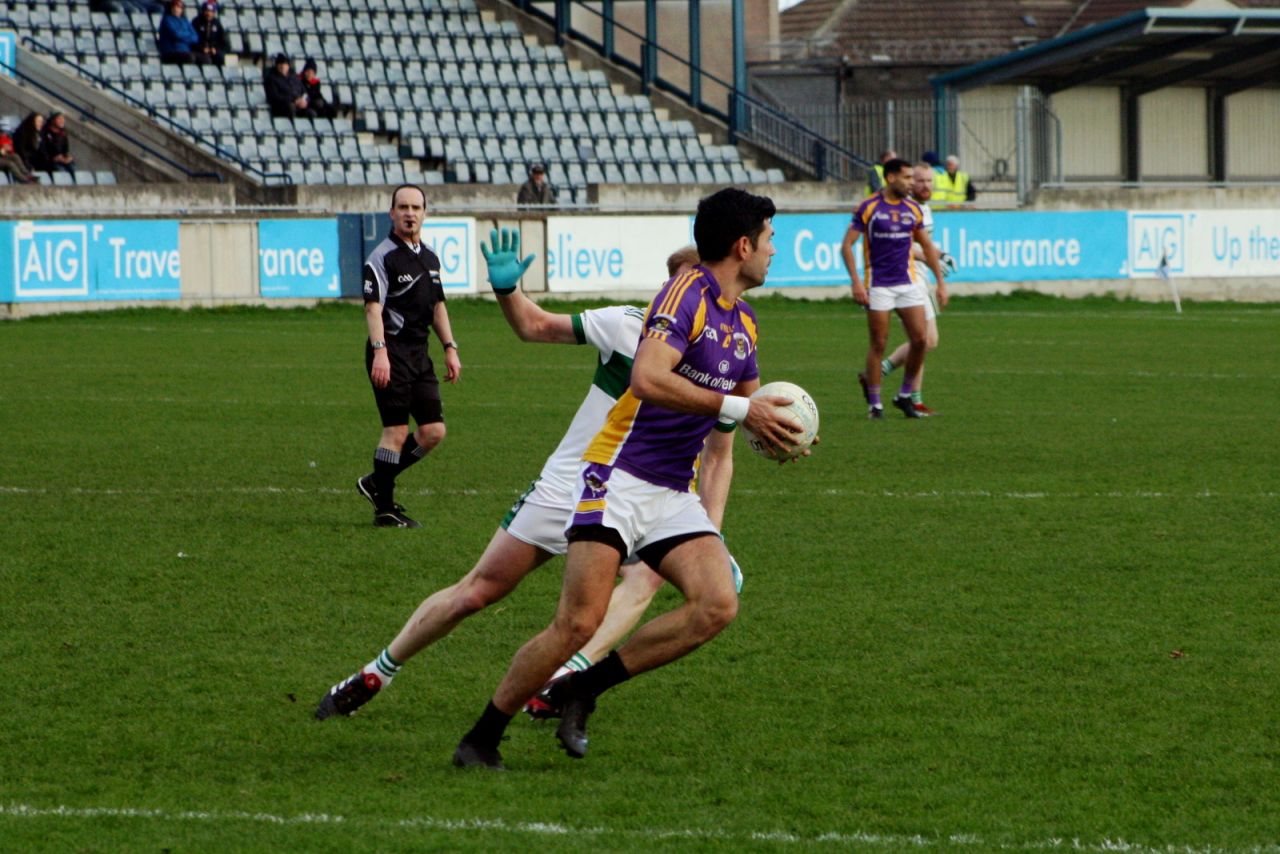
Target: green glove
504 268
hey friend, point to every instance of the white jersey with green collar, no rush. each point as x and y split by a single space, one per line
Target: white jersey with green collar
615 332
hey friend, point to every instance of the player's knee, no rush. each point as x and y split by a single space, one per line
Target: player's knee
641 581
577 628
931 341
430 435
714 614
470 599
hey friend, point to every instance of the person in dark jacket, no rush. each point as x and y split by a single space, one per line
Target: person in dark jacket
177 38
212 35
315 98
55 147
286 93
26 140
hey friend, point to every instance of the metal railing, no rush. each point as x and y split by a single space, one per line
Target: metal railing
749 118
89 112
1013 149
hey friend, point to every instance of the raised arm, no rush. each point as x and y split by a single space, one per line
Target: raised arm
526 318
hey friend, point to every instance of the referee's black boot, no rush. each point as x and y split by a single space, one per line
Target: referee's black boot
368 489
394 518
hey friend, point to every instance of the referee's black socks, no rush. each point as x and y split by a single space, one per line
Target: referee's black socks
410 453
386 465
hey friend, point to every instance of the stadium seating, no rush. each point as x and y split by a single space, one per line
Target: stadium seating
83 178
472 100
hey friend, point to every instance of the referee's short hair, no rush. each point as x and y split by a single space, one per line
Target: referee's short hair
408 187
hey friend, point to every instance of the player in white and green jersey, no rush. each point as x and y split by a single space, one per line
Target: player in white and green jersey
533 531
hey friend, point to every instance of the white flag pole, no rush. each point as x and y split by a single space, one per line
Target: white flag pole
1163 272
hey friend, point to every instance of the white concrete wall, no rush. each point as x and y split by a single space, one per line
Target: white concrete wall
1174 128
1253 128
1091 132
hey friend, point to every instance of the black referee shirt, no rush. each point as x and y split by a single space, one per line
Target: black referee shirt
407 284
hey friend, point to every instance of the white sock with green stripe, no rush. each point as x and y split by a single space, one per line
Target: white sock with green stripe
576 664
385 667
917 396
886 367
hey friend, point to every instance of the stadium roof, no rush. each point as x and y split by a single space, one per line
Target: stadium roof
1227 49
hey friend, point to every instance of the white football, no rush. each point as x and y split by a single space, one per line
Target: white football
802 410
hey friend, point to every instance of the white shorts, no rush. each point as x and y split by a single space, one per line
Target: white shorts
641 513
890 297
539 517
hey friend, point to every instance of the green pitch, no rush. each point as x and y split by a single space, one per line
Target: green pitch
1046 619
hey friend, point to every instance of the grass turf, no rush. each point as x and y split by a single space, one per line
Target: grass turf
1047 615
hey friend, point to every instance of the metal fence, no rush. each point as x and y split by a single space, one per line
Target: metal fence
1012 147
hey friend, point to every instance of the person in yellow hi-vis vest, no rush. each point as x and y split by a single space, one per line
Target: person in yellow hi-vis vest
951 186
875 181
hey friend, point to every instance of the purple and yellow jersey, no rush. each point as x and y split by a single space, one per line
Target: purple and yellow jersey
717 343
888 229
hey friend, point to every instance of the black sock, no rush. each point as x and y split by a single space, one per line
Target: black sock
386 463
600 677
489 729
410 453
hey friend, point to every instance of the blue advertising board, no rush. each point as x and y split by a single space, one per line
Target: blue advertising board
68 260
1034 246
8 52
1010 246
298 258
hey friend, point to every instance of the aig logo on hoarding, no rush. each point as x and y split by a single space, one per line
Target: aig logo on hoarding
451 241
50 260
1156 236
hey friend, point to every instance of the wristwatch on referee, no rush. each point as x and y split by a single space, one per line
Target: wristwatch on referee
450 345
378 345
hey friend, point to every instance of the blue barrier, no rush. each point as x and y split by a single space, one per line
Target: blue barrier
8 52
89 260
988 247
298 258
453 241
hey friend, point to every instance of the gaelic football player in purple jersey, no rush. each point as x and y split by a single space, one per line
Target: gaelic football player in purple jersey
890 220
695 367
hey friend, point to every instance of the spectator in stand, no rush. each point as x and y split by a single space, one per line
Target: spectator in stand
11 163
315 98
931 158
55 147
26 140
536 191
177 38
875 179
213 38
953 185
286 93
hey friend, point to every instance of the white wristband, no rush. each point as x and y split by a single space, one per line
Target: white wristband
734 408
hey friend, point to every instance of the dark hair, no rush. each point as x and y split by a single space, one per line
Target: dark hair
896 165
726 216
408 187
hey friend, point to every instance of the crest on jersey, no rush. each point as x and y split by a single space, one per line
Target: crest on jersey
662 322
368 287
739 345
595 484
724 366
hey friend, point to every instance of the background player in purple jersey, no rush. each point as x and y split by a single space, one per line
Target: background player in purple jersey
890 221
699 345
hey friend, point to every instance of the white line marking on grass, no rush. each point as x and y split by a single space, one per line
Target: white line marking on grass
1030 495
537 828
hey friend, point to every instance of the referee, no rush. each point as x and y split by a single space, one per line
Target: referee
403 300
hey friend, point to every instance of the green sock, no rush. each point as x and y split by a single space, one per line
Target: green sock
886 367
917 397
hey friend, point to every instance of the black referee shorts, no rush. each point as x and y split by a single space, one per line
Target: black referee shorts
413 390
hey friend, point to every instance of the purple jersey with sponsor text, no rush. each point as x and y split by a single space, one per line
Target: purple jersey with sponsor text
717 343
887 228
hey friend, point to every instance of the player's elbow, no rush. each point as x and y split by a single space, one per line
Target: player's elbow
643 385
